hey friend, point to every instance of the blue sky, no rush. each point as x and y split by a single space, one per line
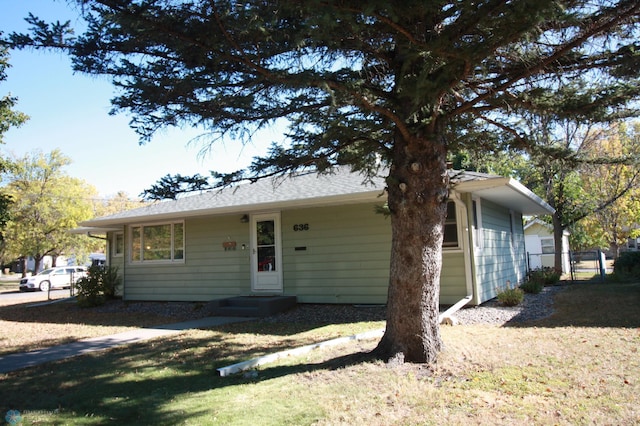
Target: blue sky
70 112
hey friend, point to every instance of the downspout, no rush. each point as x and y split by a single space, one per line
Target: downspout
445 317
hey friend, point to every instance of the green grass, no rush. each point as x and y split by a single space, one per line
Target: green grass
580 366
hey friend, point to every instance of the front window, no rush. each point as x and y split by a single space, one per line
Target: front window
157 243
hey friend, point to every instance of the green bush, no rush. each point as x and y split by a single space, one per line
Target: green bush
546 276
627 265
100 284
532 286
110 281
511 296
89 292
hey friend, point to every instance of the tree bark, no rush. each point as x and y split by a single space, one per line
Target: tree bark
23 263
615 250
418 186
37 261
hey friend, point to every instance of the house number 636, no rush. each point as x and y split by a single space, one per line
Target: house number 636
301 227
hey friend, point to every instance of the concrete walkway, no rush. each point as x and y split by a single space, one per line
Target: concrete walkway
29 359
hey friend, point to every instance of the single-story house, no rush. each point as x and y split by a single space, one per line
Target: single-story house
539 243
314 236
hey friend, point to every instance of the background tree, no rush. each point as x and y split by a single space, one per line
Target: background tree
557 171
8 118
115 204
613 189
47 204
407 82
583 170
105 207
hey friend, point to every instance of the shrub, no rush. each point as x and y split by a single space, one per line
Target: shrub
100 284
89 291
546 276
627 265
532 286
511 296
110 281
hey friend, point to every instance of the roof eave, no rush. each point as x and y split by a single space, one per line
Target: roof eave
508 192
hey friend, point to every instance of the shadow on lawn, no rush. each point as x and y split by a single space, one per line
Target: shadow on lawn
155 382
68 312
145 383
301 319
592 304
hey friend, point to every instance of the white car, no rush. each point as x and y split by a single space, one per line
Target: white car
60 277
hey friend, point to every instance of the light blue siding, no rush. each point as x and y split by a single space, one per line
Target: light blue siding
502 259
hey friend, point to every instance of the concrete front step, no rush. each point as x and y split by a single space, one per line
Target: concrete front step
251 306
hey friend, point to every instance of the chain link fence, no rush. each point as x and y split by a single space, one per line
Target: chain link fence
577 263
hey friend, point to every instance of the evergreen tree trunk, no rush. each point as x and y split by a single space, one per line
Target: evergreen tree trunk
417 193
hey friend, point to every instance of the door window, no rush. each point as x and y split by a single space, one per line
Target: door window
266 245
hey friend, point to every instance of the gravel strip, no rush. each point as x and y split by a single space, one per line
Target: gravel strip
174 311
534 306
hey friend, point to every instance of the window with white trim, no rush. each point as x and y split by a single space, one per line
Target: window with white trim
547 245
157 243
118 244
450 227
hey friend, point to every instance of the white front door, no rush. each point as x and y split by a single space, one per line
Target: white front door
266 253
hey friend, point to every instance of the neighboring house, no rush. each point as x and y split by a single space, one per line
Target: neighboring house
538 237
316 237
633 244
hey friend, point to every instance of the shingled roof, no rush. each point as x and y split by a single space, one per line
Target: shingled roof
339 187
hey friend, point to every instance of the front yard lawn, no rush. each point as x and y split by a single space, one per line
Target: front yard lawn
579 366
